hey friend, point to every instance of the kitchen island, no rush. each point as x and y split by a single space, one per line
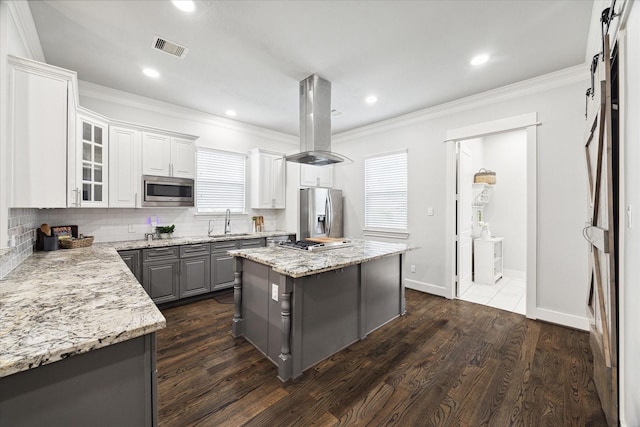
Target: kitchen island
300 307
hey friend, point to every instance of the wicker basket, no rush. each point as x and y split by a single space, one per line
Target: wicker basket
484 176
76 243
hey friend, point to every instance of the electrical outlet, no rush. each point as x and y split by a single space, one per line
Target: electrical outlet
132 228
413 268
274 292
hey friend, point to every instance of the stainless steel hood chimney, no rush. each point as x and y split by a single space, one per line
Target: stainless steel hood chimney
315 124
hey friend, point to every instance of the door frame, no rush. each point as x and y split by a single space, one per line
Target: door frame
459 221
529 122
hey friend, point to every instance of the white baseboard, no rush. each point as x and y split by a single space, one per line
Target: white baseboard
516 274
563 319
426 287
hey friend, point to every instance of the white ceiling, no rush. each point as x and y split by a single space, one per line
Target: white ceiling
250 55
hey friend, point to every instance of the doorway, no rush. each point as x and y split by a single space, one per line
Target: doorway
491 218
458 246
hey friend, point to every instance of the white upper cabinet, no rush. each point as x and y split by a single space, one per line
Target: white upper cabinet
125 180
156 154
165 155
42 102
183 159
268 178
316 176
90 181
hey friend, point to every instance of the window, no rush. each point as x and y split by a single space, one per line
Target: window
385 192
220 182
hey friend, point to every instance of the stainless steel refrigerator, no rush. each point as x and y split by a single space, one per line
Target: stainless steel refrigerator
320 213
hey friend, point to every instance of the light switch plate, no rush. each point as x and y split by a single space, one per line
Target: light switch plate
274 292
430 211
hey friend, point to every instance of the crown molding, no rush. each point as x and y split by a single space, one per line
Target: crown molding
564 77
20 14
115 96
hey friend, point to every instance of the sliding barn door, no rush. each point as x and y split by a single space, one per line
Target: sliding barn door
601 231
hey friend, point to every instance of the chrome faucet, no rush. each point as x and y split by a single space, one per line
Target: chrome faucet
227 221
210 232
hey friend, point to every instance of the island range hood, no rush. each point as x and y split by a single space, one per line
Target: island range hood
315 124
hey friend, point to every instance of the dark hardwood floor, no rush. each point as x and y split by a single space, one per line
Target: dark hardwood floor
446 363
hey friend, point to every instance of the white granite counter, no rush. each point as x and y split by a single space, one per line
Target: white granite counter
297 263
177 241
57 304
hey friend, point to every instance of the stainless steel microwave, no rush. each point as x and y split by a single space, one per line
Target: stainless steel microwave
167 191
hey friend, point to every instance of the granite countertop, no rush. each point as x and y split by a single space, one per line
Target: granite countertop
177 241
298 263
66 302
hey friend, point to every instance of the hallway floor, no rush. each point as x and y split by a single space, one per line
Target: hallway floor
508 293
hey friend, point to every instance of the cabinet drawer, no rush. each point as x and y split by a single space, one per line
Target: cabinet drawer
224 246
194 250
160 254
252 243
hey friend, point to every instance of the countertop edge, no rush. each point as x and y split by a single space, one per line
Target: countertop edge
35 361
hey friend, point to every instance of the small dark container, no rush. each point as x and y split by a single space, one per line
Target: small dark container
50 243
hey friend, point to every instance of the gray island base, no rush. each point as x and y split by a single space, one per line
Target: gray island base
298 316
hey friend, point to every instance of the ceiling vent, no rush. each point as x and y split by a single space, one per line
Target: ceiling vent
167 46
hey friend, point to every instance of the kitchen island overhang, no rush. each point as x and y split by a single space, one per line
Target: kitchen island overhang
298 308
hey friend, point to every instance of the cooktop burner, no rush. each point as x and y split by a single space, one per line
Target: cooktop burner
305 245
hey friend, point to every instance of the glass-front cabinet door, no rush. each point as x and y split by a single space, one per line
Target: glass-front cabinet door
91 183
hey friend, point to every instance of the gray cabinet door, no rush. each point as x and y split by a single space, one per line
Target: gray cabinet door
162 281
132 259
221 271
195 276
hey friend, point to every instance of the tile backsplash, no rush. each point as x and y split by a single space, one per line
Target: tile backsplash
110 225
22 224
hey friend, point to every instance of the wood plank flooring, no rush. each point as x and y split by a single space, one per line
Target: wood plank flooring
446 363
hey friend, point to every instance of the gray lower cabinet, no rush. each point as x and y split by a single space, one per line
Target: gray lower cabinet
161 273
171 273
195 270
110 386
132 259
222 264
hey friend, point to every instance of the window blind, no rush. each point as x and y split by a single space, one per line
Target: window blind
220 182
385 191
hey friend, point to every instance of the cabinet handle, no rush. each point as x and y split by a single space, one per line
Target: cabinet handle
77 190
171 169
135 201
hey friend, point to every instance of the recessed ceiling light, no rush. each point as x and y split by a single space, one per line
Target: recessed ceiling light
185 5
371 99
231 113
479 59
150 72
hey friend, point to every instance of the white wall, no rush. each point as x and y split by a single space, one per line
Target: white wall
506 212
630 289
562 253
